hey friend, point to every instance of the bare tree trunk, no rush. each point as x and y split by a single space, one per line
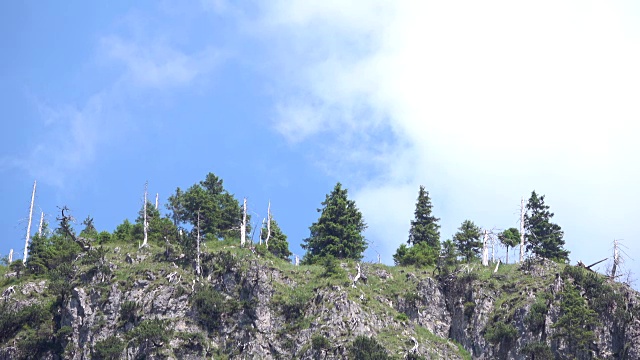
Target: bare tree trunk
521 229
157 201
616 259
41 222
507 255
266 241
297 260
262 227
26 242
493 249
10 256
496 269
379 261
357 277
485 251
243 229
198 245
145 225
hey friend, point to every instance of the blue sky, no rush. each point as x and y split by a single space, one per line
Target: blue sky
480 102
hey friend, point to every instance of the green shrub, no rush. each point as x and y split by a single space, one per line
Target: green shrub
108 349
212 307
537 351
469 308
366 348
129 312
536 318
332 267
501 333
155 331
320 342
402 317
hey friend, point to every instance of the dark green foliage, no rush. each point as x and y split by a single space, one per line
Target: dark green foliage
159 230
97 260
61 282
418 255
509 238
104 237
292 303
424 227
367 348
414 356
110 348
124 232
48 252
89 230
278 244
320 342
537 351
543 237
467 240
129 312
537 315
212 307
338 231
576 321
11 320
501 333
332 267
155 331
220 212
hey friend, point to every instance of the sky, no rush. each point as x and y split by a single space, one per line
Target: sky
480 102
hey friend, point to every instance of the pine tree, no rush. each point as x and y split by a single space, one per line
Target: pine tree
467 240
509 238
278 244
220 212
338 231
424 228
576 321
543 238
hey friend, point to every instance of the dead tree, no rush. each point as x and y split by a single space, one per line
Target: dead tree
266 241
521 229
10 256
588 267
41 223
145 225
198 245
65 225
26 242
157 201
243 228
357 277
485 250
616 259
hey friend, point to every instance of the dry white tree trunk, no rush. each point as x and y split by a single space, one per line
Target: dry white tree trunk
243 228
157 201
497 265
266 241
485 250
616 259
10 256
41 222
262 227
297 260
26 242
198 245
357 277
521 229
145 225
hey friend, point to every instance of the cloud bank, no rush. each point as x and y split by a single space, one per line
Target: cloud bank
482 102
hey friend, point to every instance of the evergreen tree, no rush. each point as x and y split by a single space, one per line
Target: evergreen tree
576 321
449 253
159 228
278 244
424 227
509 238
220 212
420 254
467 240
543 237
338 231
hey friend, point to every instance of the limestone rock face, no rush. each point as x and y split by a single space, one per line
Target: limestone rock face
258 309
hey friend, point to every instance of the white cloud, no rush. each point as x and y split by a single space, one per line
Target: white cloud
157 65
488 100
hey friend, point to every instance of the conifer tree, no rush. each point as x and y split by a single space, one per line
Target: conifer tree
543 238
467 240
338 231
424 227
509 238
278 244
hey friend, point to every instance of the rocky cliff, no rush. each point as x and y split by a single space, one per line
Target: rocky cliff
120 302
